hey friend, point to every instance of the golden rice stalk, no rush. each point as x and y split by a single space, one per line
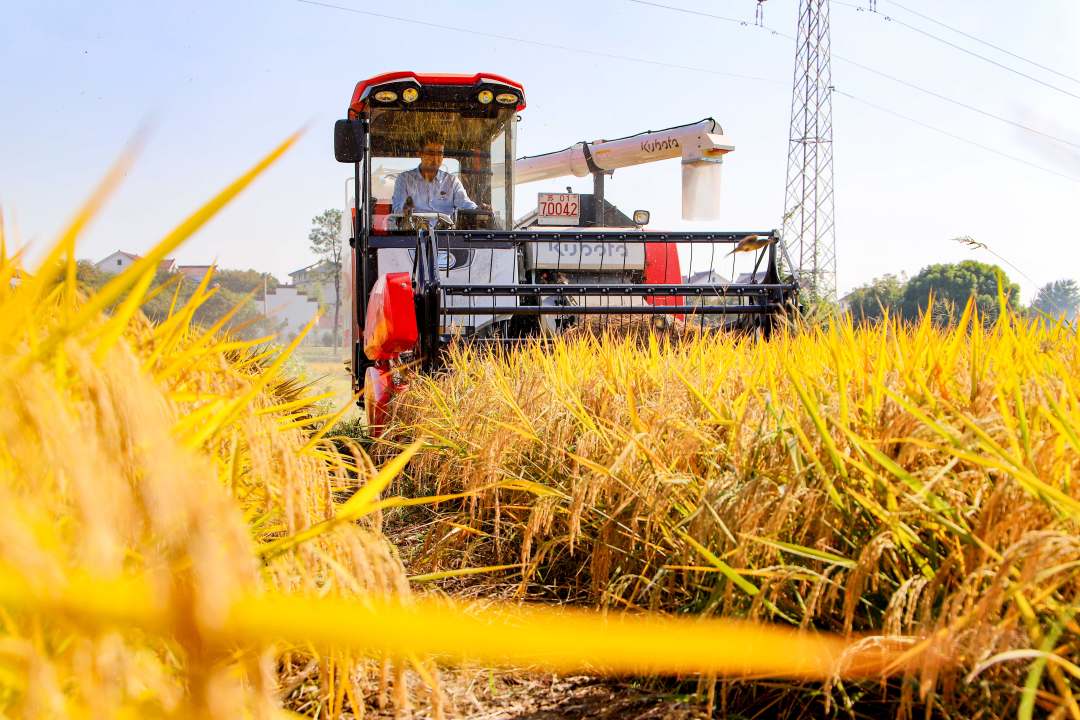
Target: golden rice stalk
170 542
908 480
135 453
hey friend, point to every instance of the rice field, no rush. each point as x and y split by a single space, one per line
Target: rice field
182 535
322 371
905 481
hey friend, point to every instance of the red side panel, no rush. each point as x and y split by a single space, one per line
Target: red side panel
662 268
378 389
390 325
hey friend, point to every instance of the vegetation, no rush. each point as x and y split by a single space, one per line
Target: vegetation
881 295
951 285
905 479
948 286
1059 298
245 282
232 295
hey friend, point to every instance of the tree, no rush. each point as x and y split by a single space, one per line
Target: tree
89 277
951 285
230 290
325 237
244 281
869 302
1061 297
247 322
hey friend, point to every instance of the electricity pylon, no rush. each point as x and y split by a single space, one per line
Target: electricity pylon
809 207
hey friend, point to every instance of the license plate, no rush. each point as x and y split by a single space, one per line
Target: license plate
558 209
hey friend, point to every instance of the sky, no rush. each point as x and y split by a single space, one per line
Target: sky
220 83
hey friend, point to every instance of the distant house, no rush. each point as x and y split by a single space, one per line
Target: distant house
706 277
195 273
316 281
750 278
290 308
118 262
317 276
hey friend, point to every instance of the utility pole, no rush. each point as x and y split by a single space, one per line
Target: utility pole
809 206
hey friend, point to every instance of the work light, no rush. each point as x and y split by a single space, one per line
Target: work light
506 98
485 97
410 94
386 96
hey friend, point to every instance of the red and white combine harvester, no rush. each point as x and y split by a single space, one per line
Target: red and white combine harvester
438 257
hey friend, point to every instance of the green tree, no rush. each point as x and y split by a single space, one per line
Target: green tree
88 276
951 285
1061 297
231 290
244 281
248 322
870 302
325 238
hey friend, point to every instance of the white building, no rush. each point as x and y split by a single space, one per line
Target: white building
118 262
317 282
291 308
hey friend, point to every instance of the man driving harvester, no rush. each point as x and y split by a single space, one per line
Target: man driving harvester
429 188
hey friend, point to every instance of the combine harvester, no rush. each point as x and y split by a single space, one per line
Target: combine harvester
422 279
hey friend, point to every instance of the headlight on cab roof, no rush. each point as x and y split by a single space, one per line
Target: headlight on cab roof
485 97
410 94
386 96
506 98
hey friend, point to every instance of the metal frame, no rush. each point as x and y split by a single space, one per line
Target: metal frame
764 301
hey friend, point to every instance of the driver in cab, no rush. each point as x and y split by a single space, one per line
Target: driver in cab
429 189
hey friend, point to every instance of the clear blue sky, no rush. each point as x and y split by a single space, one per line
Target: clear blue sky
222 82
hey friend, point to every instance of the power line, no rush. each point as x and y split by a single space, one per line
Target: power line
879 73
959 103
539 43
954 136
688 11
972 53
691 68
1000 49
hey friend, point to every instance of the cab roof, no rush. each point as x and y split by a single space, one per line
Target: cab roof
364 87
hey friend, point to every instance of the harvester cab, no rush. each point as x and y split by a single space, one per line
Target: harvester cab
437 256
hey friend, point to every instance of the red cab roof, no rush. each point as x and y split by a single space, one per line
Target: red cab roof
357 103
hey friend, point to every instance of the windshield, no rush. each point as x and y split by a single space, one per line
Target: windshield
477 151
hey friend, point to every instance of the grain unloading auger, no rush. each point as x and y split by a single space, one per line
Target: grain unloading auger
437 256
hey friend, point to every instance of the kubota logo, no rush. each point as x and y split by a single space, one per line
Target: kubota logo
658 145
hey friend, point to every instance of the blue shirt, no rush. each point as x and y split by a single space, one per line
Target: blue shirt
443 194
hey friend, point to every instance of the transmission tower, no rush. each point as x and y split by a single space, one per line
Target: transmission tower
809 208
